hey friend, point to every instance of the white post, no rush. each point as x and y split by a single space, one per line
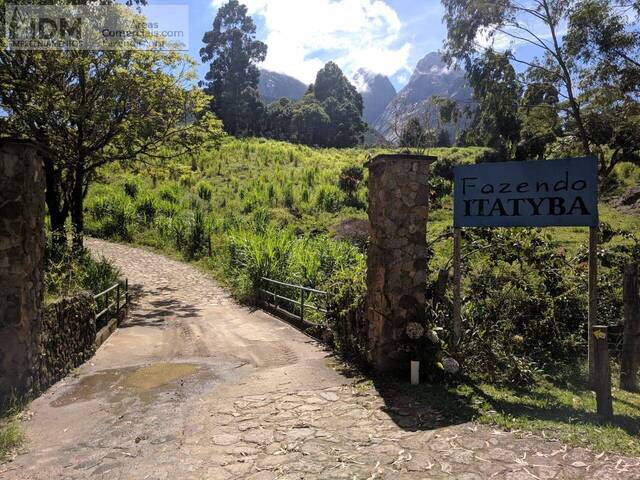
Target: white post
415 372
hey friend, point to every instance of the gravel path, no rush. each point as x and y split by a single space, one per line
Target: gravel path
193 386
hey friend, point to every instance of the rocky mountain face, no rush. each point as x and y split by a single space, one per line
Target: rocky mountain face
274 86
377 92
431 77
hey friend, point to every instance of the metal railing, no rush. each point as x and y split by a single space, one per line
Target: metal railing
110 303
305 297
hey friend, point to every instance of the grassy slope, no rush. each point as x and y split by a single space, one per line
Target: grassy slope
296 185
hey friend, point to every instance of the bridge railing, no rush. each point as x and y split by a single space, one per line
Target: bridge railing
274 293
110 302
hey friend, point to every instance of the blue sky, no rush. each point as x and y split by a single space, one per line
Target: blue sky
385 36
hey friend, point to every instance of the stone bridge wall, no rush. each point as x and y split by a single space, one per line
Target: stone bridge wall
67 339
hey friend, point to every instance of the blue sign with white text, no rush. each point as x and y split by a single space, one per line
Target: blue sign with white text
541 193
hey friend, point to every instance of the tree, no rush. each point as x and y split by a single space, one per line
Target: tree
412 135
343 104
310 122
494 121
539 119
599 49
279 116
232 79
90 108
449 113
601 38
443 138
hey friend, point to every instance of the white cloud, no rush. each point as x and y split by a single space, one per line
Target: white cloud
301 34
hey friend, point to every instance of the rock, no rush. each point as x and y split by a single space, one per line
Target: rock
631 196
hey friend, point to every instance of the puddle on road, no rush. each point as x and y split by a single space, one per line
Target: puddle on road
158 374
143 383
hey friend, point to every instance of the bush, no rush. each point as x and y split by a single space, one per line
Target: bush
67 273
130 188
146 208
329 199
204 191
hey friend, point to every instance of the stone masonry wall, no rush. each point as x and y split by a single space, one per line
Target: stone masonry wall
397 257
67 339
21 264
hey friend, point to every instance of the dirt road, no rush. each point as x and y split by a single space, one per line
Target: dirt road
194 386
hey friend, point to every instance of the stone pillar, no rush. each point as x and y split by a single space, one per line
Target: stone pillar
22 240
397 257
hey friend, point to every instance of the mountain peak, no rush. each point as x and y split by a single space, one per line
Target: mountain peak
432 77
376 90
432 64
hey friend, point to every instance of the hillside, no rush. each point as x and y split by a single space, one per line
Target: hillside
293 185
273 86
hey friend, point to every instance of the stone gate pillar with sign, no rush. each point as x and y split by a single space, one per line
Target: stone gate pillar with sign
397 256
21 264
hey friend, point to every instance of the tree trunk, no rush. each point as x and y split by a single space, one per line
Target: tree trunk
631 343
57 207
77 211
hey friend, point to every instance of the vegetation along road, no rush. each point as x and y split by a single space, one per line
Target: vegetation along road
194 386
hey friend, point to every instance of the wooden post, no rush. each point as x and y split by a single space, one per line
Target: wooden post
301 304
631 342
457 317
602 377
593 299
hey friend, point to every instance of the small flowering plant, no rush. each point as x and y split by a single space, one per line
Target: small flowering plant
420 340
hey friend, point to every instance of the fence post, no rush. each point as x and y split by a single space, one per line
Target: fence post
118 298
602 371
593 299
457 317
302 304
630 346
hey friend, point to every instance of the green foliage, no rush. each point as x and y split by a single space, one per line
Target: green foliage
113 216
582 84
494 123
413 134
330 113
68 272
104 107
350 179
204 191
11 437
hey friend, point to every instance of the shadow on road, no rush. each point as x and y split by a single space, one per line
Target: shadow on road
154 313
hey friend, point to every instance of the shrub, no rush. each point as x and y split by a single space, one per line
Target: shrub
329 198
350 179
131 188
68 273
146 208
198 231
204 191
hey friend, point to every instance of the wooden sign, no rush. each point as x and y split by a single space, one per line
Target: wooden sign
539 193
